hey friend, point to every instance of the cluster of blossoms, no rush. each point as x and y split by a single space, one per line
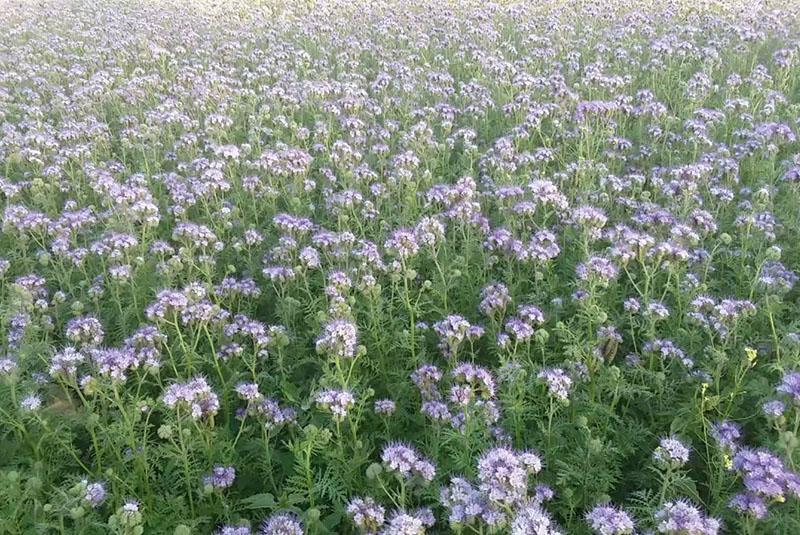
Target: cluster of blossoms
495 298
726 434
719 316
85 331
503 474
680 517
221 477
267 411
766 479
196 196
367 515
558 383
408 523
453 331
500 498
790 387
776 278
95 493
609 520
404 461
370 518
338 339
671 453
471 396
522 326
195 397
337 402
282 524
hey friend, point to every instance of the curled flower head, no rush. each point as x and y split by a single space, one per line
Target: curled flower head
531 518
339 339
558 383
682 518
221 477
95 494
337 402
727 435
748 503
790 386
773 408
406 462
367 515
282 524
671 452
503 474
385 407
195 395
609 520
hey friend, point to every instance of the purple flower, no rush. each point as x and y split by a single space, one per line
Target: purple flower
558 383
85 331
597 270
234 530
478 380
776 278
682 518
631 305
790 385
503 474
590 220
95 494
385 407
520 330
114 363
773 409
367 515
727 435
66 362
453 331
747 503
338 339
269 413
195 395
436 410
609 520
168 303
221 477
248 391
427 378
465 503
765 474
671 452
494 300
532 519
337 402
406 462
403 243
402 523
530 315
31 403
657 310
282 524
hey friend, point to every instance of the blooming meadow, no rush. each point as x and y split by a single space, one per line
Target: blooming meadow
399 267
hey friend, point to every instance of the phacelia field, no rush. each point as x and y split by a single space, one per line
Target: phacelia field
399 267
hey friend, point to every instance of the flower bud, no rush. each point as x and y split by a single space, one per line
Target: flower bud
774 253
374 470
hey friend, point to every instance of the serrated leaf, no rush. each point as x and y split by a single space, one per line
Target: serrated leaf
259 501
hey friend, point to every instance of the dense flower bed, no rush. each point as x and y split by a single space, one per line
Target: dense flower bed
399 267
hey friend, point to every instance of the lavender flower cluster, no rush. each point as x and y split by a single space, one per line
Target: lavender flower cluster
399 268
